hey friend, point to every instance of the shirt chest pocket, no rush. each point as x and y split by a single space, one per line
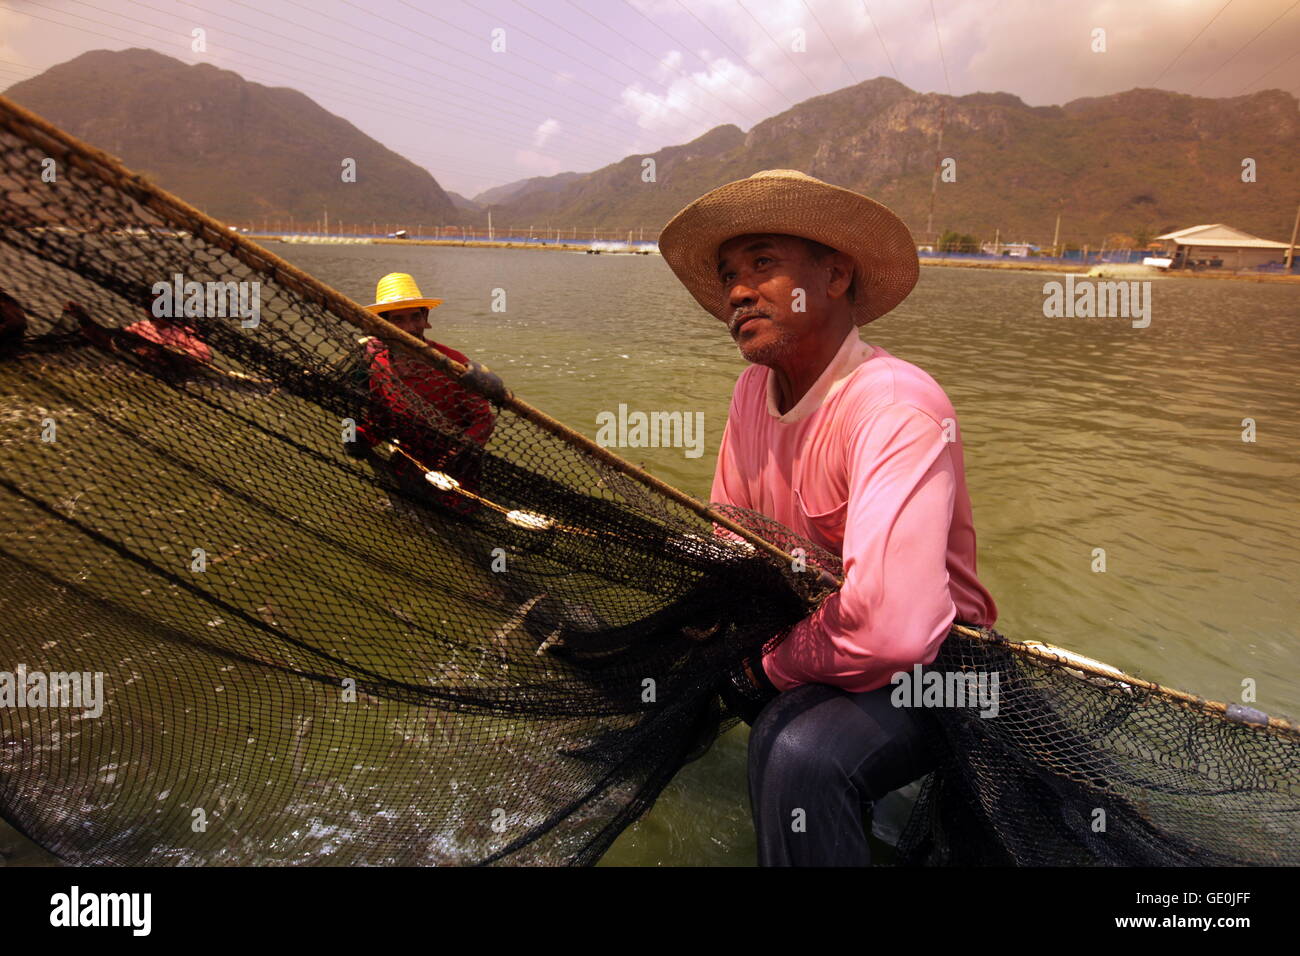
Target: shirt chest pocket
823 518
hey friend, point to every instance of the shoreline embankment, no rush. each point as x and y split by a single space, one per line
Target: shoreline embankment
586 247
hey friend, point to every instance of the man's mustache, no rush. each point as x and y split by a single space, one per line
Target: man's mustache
733 324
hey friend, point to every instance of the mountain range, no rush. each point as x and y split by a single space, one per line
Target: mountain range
1144 160
240 151
1139 161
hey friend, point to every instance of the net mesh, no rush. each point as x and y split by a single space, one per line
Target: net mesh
310 652
1081 768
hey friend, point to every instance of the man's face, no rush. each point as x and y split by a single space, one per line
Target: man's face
761 274
414 321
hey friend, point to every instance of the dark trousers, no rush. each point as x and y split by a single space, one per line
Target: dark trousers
818 757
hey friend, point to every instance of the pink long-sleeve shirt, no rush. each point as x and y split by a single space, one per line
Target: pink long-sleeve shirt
868 465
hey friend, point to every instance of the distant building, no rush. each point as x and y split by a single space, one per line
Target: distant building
1218 247
1019 250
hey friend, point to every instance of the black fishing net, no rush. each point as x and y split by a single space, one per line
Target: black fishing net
1078 767
275 590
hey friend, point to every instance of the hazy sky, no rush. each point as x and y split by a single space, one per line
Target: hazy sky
582 83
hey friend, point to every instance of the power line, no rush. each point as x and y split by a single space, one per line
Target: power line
602 93
879 37
21 74
650 54
27 71
1190 42
706 117
593 158
738 56
353 90
779 49
942 59
456 164
27 67
832 40
368 104
494 65
662 60
554 48
1267 72
685 46
351 85
492 80
386 94
1244 45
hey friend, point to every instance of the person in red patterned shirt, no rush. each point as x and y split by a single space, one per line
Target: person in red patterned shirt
438 424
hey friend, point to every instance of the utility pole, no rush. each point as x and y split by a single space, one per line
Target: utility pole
1290 253
327 219
934 180
1056 238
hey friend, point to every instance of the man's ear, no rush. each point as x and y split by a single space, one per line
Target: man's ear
839 269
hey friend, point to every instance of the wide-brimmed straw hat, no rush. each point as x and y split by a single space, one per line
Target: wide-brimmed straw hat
786 201
397 290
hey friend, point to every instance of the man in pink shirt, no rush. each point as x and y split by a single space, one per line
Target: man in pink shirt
857 451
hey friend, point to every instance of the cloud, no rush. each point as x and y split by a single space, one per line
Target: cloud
688 105
760 73
1041 52
544 132
670 64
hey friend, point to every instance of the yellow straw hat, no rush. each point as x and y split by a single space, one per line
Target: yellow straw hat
788 202
397 290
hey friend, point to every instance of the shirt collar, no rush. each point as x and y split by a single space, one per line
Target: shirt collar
852 353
